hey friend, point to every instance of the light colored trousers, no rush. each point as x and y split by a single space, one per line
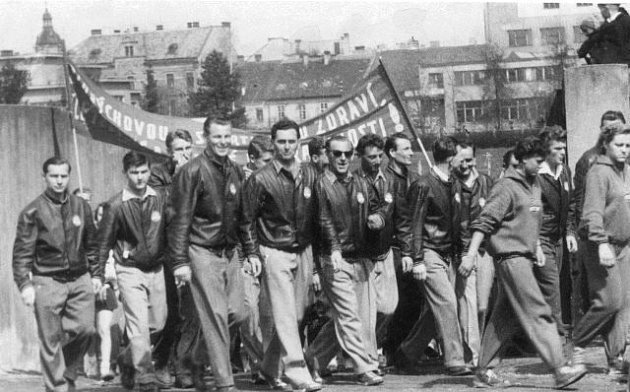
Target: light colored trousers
467 311
352 295
217 289
386 294
143 295
285 281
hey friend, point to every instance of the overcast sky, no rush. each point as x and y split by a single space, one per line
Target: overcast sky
368 22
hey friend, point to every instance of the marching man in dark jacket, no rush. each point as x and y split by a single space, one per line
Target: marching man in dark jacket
133 226
203 235
279 220
348 212
56 269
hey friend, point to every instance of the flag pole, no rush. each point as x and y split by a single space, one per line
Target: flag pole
404 112
71 115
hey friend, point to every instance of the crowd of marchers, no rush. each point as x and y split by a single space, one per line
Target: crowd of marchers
294 269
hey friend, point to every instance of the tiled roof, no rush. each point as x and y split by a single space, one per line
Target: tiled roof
402 65
275 80
153 45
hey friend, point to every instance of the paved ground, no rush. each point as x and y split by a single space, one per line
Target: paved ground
529 374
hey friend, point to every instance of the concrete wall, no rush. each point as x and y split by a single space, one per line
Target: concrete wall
27 142
590 91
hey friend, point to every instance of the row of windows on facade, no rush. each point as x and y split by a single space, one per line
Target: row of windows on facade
548 36
550 6
323 107
512 75
521 109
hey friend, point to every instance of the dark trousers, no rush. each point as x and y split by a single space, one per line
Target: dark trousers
166 339
548 277
190 348
520 305
217 289
608 311
64 312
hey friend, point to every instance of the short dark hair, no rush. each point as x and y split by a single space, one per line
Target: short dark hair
259 145
552 134
369 140
612 115
85 190
282 125
177 134
337 138
216 120
55 161
444 148
391 143
316 145
134 159
463 144
529 147
608 134
507 157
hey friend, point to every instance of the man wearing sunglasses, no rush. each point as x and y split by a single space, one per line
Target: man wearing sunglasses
348 212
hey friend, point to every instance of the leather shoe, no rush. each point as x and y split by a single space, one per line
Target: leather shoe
458 371
275 384
149 387
568 375
127 374
184 381
316 376
309 387
369 379
163 378
198 373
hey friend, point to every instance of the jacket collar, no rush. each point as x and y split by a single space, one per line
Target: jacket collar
332 177
546 169
50 195
604 160
128 195
399 170
516 176
379 175
439 174
295 171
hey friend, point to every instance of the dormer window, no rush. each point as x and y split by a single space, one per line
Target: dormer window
172 49
128 50
94 53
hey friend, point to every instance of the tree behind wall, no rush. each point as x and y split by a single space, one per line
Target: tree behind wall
13 84
218 91
495 90
151 100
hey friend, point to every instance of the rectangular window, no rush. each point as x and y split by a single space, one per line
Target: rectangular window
190 80
518 38
323 107
516 75
129 51
436 80
584 4
280 112
523 109
469 111
170 80
552 35
468 78
302 110
118 97
259 115
551 6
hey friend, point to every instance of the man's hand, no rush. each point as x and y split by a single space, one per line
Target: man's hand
467 265
572 245
182 275
28 295
375 222
255 265
419 272
335 260
97 284
540 257
607 257
102 294
317 284
406 264
110 272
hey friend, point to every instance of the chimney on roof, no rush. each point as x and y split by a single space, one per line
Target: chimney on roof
189 25
135 29
159 27
305 58
226 25
297 45
434 44
116 31
326 57
195 25
6 53
258 57
240 59
346 35
95 32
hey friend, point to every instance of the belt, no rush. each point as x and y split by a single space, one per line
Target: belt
512 255
67 276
